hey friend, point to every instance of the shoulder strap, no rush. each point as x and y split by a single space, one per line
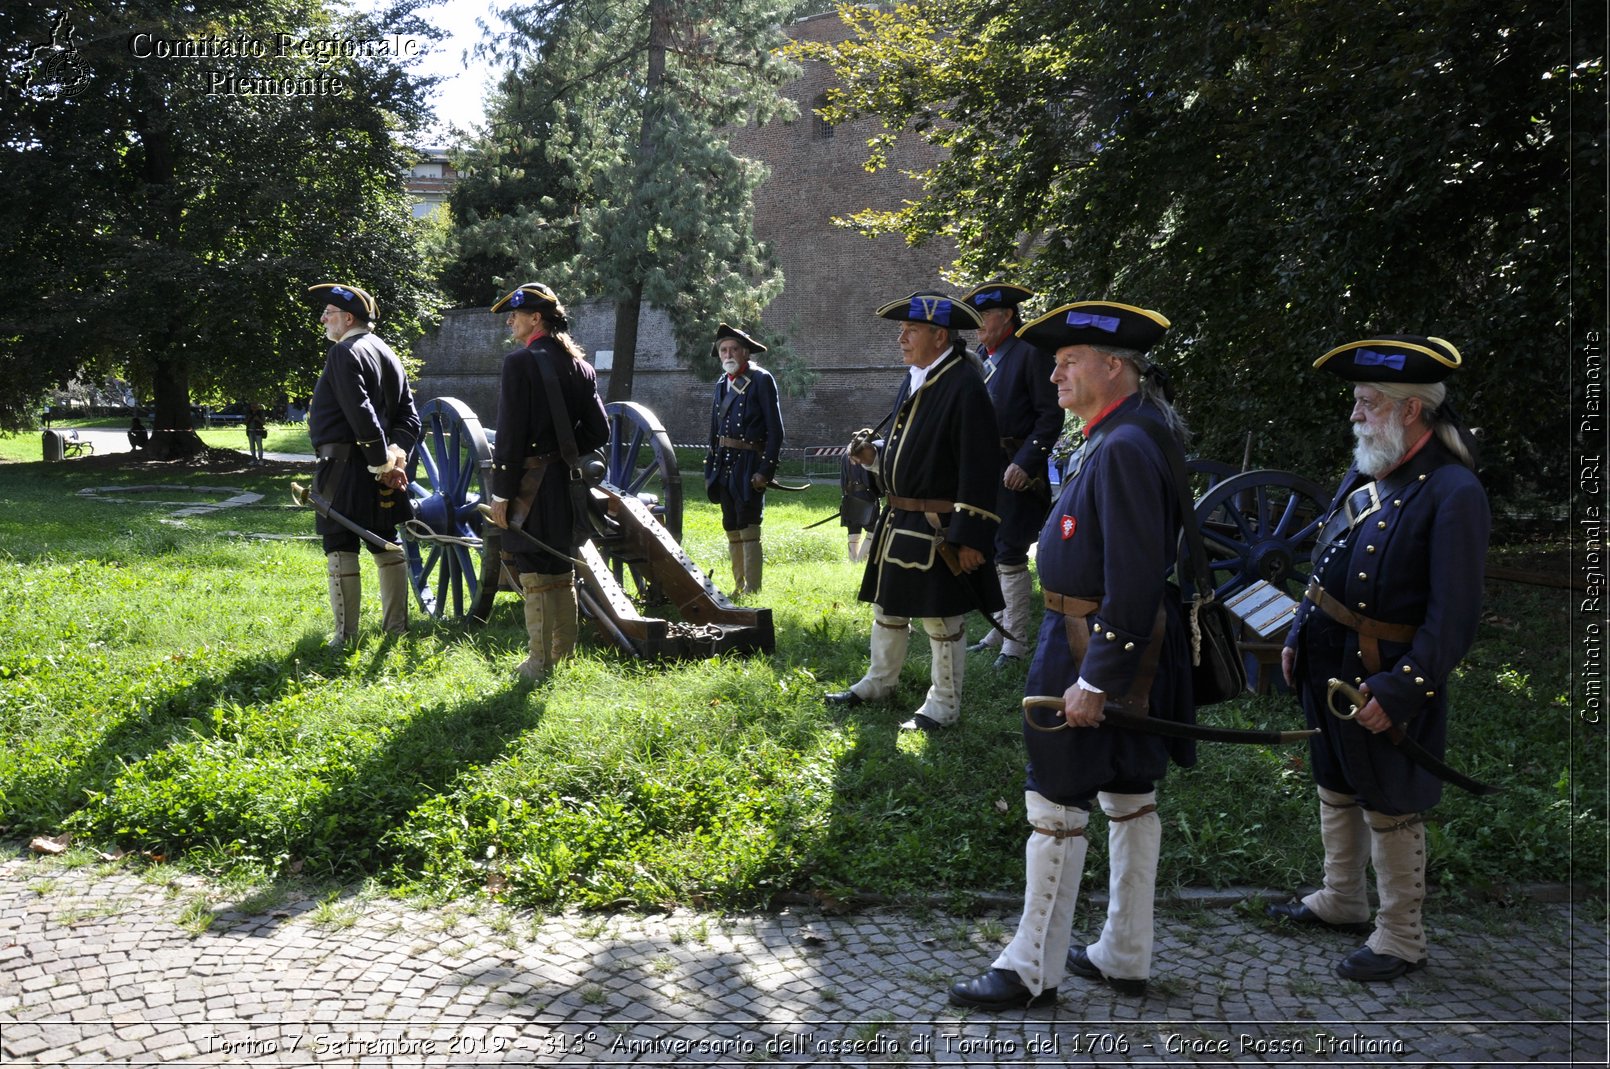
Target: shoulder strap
561 417
1201 577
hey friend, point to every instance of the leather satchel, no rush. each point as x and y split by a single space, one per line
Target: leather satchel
1217 671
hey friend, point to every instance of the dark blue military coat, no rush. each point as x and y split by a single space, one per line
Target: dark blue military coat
1418 560
746 408
943 445
1030 422
362 399
1111 537
526 428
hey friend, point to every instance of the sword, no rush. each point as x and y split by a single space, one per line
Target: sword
530 539
773 484
1120 717
305 495
1400 738
952 559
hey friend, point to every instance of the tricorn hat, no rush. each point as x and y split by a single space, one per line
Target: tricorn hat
996 295
1392 358
530 297
347 298
724 331
932 308
1104 323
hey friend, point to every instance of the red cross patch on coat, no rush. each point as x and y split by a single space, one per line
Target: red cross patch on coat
1068 525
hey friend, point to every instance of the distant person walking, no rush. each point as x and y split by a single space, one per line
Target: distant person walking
256 432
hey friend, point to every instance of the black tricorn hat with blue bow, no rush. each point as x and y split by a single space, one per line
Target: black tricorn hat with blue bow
1392 358
1104 323
347 298
935 309
989 295
530 297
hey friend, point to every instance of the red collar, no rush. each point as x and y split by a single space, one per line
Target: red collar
540 332
1406 457
1104 413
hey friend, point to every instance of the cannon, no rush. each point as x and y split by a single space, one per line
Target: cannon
454 557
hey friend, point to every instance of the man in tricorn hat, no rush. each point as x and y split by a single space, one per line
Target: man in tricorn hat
1391 609
1112 634
362 423
932 545
746 436
1019 379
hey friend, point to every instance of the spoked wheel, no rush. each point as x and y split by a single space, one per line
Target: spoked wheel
642 463
1205 474
1261 525
448 480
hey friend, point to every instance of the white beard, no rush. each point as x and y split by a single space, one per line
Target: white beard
329 332
729 366
1378 452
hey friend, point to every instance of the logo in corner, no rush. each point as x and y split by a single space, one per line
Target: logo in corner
56 71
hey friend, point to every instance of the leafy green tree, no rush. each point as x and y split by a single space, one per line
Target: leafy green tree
1276 176
170 212
603 170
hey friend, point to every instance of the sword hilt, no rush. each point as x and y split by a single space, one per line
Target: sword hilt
1355 698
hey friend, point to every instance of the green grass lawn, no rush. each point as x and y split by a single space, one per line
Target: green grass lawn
164 687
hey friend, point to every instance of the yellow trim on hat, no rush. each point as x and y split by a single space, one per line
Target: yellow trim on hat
369 304
1390 344
548 297
1156 317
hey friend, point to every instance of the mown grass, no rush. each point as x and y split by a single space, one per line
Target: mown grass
164 687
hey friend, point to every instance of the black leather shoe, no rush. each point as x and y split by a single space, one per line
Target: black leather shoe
1366 966
998 989
926 724
1296 912
1006 660
843 697
1079 964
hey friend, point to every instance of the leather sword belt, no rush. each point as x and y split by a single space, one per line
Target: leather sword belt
1370 632
739 443
1075 611
541 460
922 504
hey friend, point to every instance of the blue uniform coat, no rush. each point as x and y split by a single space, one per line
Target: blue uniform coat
745 408
1026 411
1418 561
362 399
1111 536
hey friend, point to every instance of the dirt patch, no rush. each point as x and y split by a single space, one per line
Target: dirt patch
210 461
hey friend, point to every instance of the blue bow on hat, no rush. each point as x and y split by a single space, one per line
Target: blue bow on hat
517 298
980 298
1371 358
931 310
1109 324
342 292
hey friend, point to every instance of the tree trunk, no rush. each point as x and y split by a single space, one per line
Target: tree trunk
627 309
172 436
623 369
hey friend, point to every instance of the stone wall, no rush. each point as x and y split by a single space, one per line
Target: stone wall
835 279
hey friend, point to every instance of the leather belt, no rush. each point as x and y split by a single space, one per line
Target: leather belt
739 443
540 460
922 504
1075 611
336 450
1369 631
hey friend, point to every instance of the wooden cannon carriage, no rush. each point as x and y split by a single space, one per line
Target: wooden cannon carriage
456 569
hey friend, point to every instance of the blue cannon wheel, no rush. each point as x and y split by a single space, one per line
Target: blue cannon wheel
1261 525
447 477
